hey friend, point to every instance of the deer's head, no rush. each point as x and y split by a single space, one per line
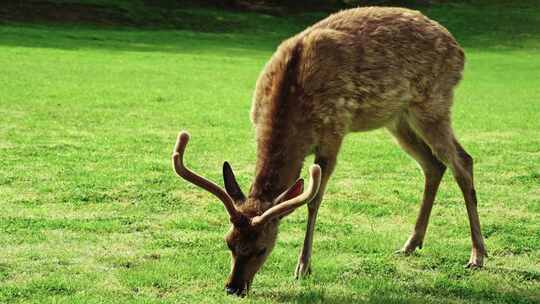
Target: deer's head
254 223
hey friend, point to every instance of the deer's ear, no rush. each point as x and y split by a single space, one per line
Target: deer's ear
290 193
231 186
294 191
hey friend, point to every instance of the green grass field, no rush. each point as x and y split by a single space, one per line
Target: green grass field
93 213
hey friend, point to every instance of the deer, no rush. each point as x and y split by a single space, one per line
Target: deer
357 70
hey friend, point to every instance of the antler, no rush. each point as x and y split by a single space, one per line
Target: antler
194 178
293 203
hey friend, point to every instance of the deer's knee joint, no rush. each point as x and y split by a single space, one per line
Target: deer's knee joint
467 159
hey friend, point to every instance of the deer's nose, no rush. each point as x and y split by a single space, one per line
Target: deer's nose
232 290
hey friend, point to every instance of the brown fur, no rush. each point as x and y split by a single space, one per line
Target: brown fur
357 70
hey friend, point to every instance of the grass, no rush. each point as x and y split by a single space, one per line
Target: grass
92 213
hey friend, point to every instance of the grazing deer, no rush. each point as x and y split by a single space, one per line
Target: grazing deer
357 70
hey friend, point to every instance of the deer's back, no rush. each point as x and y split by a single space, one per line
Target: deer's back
359 68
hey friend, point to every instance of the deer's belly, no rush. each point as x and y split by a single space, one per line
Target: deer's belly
355 115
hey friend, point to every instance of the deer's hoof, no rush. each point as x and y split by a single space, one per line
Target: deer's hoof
302 270
476 261
403 252
409 247
473 265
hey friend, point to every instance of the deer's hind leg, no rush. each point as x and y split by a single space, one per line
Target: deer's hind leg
435 129
433 172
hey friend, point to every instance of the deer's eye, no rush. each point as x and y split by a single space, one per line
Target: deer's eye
261 252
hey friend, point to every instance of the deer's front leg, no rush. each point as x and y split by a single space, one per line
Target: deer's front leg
303 267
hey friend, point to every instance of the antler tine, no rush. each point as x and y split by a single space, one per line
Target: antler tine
293 203
194 178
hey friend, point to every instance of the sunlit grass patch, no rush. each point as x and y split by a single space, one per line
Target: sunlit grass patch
92 212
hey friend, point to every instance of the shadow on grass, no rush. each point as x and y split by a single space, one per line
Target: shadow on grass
443 291
491 27
129 40
523 275
509 27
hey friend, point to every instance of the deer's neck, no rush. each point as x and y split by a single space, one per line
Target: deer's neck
280 149
279 161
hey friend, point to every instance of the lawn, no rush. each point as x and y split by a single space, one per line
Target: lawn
93 213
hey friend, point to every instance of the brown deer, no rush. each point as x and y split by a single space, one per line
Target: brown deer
357 70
